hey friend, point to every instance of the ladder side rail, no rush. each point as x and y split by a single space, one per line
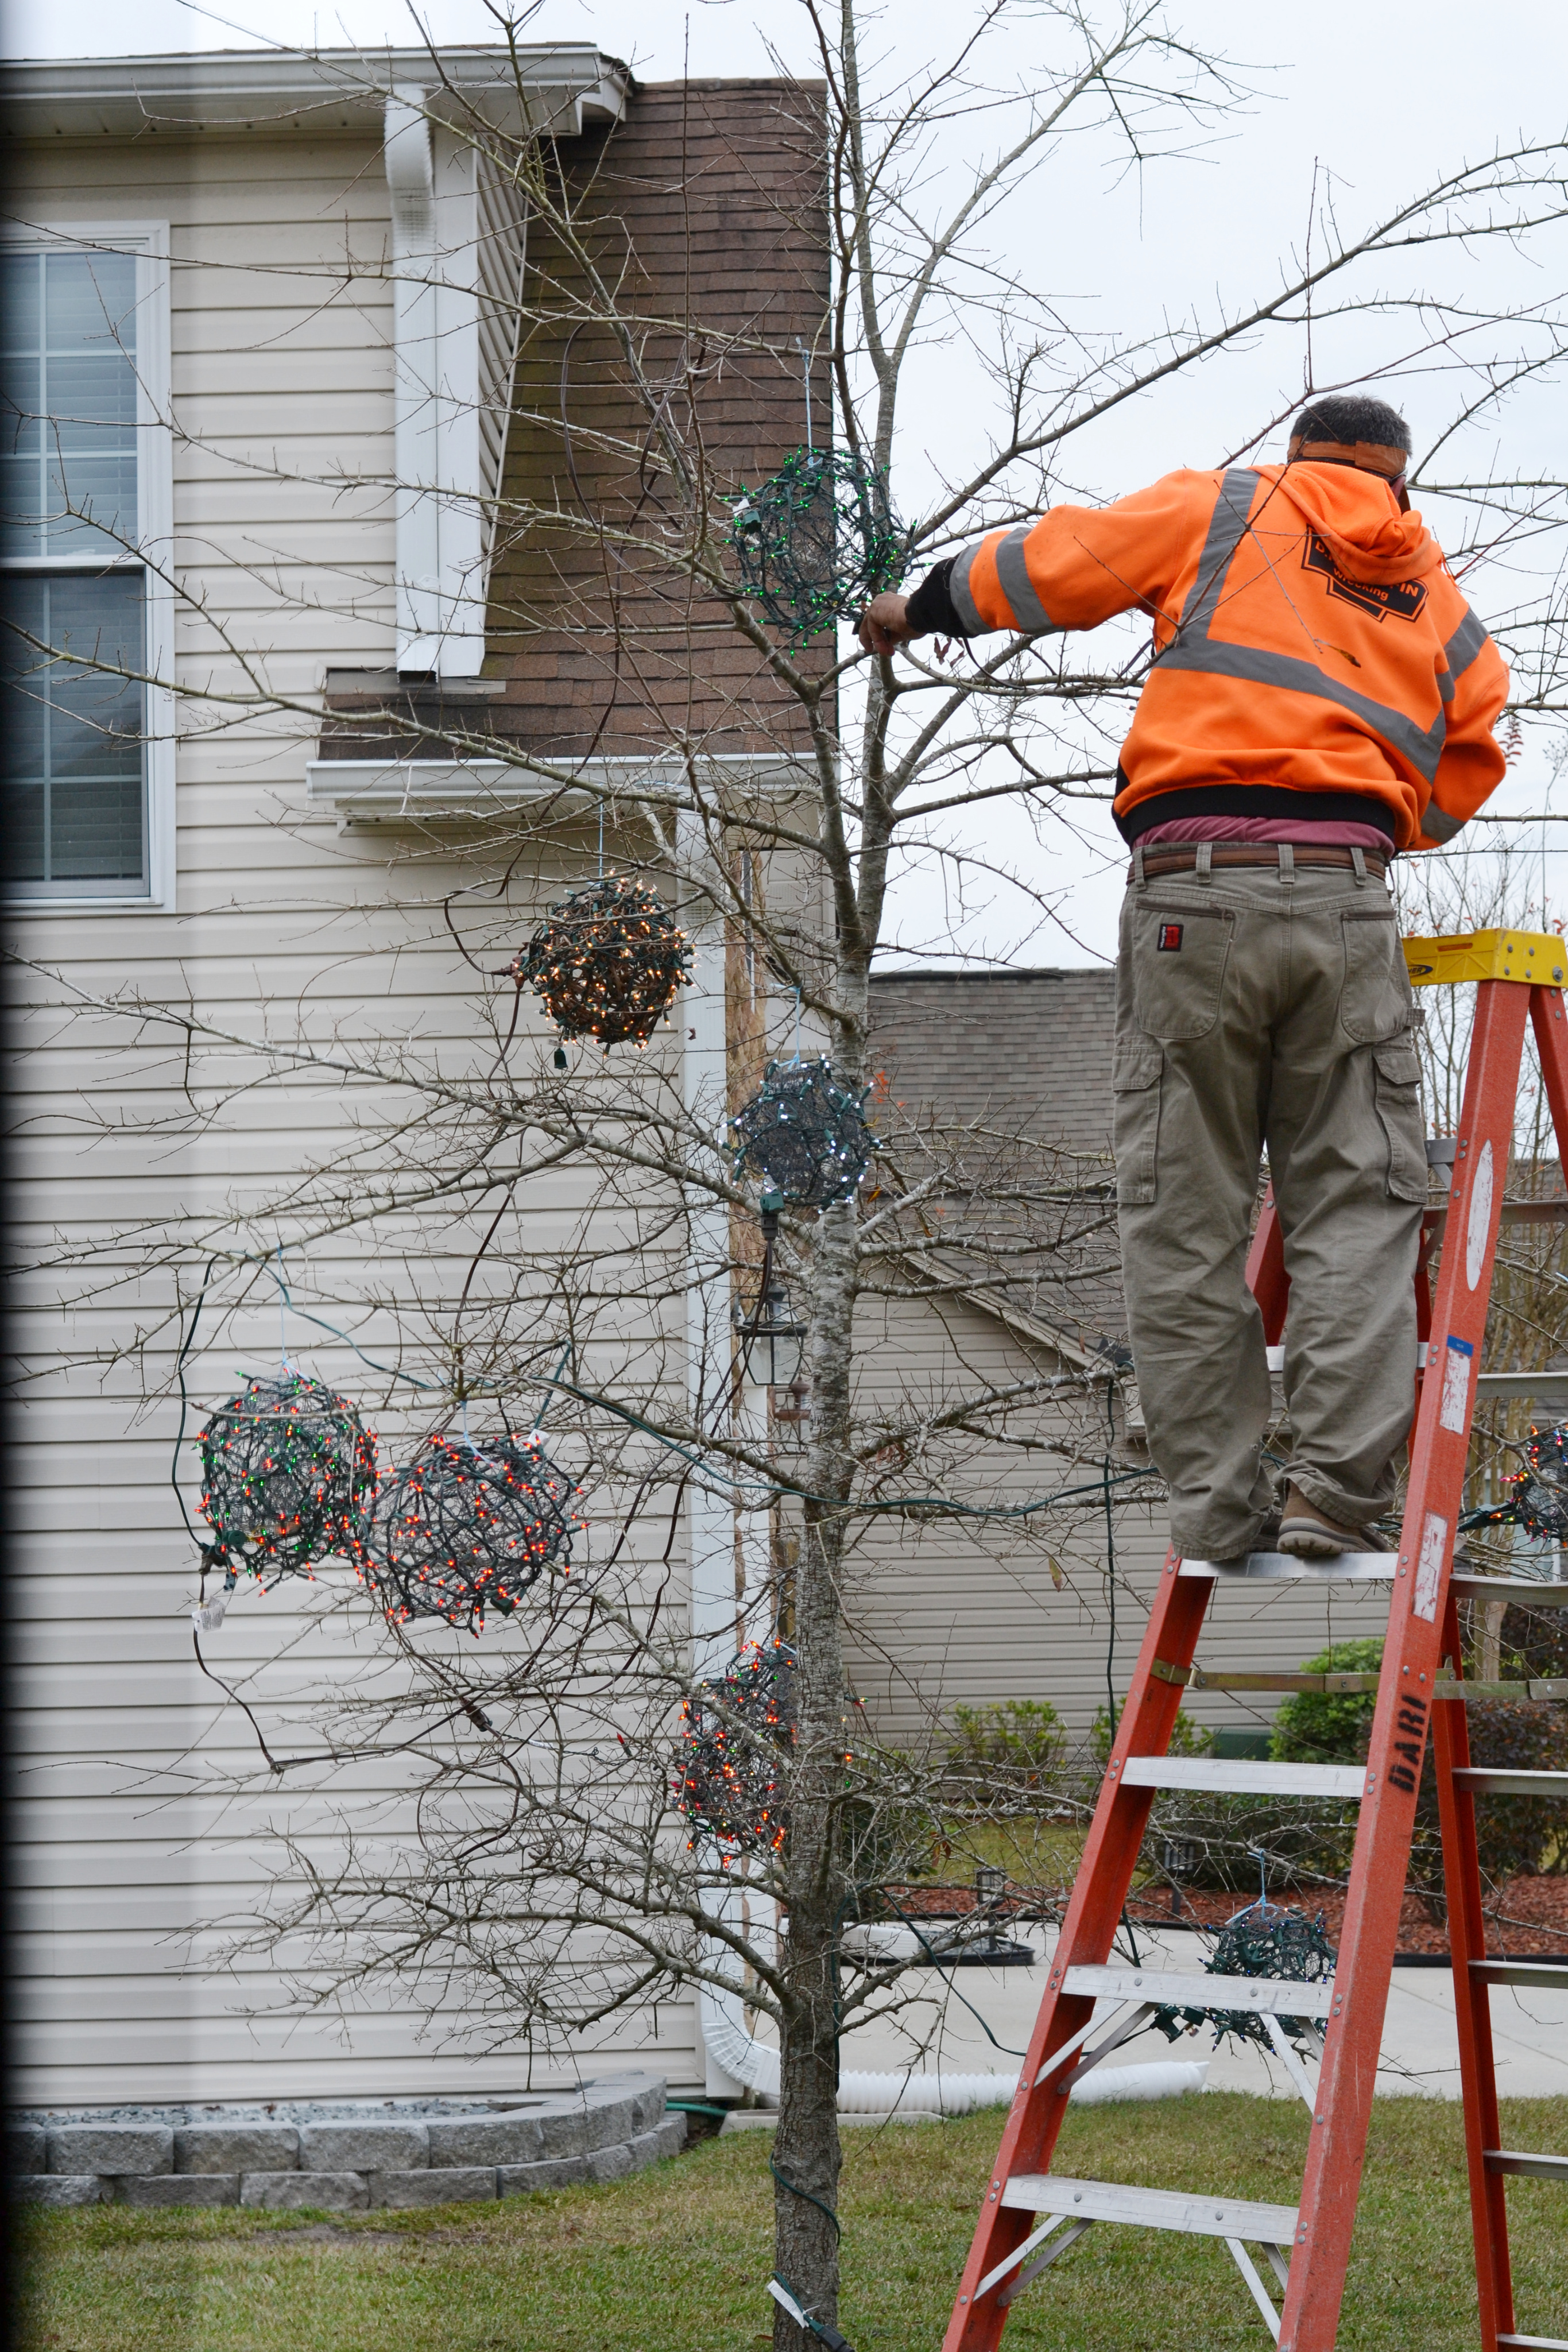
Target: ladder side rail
1266 1275
1336 2150
1549 1023
1472 2002
1099 1891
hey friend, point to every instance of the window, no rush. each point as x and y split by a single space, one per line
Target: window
74 595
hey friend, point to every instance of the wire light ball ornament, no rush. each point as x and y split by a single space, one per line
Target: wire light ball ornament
733 1763
805 1134
606 963
1264 1940
288 1477
466 1530
816 543
1539 1499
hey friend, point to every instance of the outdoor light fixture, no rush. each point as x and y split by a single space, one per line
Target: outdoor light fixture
991 1884
774 1343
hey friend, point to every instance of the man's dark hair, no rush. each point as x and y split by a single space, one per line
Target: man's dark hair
1352 417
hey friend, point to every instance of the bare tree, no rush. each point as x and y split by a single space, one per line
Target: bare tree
533 1247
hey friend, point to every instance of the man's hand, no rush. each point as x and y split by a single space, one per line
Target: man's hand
883 625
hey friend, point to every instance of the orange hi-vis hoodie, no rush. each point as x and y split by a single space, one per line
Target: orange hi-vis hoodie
1308 636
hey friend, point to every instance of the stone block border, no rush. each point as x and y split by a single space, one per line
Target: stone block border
345 2155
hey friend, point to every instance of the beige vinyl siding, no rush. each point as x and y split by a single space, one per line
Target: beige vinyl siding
136 1852
942 1616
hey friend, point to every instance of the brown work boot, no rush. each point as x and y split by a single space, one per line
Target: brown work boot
1309 1534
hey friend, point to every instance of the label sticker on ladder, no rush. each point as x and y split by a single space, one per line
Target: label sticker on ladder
1457 1356
1429 1567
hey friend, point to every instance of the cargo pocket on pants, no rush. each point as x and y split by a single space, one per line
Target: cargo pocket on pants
1396 1089
1135 1072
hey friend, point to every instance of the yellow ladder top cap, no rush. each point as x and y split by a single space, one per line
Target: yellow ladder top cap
1538 956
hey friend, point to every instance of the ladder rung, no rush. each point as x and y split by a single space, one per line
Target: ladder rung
1538 2168
1200 1678
1151 2209
1552 1973
1186 1990
1270 1567
1495 1780
1532 2344
1527 1592
1244 1777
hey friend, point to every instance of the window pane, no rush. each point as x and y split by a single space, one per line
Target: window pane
90 301
74 403
75 739
87 499
21 276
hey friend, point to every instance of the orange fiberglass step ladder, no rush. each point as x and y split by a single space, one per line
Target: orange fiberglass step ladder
1030 2216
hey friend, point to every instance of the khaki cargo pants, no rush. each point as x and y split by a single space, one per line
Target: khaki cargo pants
1259 1007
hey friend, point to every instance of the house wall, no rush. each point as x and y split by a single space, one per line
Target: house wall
135 1855
955 1613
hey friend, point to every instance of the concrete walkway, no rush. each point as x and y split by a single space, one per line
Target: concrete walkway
1420 2049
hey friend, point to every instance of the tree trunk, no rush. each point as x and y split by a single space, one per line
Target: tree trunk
806 2149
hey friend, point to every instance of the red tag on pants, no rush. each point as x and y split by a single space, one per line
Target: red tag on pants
1170 936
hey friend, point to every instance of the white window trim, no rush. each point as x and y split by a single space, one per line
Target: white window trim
149 242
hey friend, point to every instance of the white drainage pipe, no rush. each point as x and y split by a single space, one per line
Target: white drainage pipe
754 2065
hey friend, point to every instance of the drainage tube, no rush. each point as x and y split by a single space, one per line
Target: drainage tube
754 2065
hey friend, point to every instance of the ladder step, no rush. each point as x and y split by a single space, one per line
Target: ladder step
1279 1567
1188 1989
1200 1678
1529 1591
1245 1777
1538 2168
1533 2344
1552 1973
1151 2209
1495 1780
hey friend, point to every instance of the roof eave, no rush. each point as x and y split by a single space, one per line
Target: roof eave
554 87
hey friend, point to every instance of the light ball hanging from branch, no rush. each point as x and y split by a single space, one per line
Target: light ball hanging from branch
805 1134
817 540
606 963
1265 1940
467 1529
1539 1499
732 1765
288 1476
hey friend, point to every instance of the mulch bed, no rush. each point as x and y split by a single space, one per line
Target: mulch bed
1526 1918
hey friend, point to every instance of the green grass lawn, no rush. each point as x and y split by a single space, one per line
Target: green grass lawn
675 2260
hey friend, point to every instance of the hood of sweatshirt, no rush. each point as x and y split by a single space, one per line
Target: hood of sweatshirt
1359 517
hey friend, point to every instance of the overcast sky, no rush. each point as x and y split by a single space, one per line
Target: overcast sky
1386 97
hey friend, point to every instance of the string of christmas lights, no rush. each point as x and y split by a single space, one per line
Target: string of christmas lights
805 1133
1264 1940
606 963
467 1529
1538 1500
288 1476
732 1766
816 543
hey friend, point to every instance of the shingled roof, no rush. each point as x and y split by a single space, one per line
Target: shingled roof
1026 1050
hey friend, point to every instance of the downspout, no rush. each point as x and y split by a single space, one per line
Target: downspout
411 180
740 2055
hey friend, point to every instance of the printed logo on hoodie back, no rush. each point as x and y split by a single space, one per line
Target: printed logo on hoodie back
1403 599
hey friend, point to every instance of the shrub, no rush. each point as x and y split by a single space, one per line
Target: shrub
1022 1737
1323 1727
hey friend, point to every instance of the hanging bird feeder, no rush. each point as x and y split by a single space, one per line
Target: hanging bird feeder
606 963
805 1134
467 1529
288 1476
732 1767
818 541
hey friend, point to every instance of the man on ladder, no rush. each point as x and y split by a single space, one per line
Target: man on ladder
1320 697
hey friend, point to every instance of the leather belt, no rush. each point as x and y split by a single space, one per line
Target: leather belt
1263 853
